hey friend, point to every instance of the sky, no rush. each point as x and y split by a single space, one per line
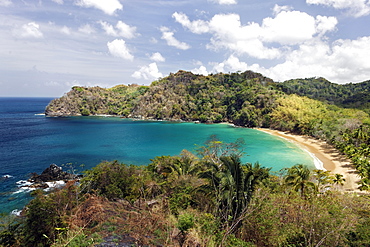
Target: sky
48 46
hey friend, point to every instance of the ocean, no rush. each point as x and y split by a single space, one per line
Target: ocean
30 142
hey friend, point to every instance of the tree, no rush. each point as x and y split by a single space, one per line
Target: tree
338 180
298 178
323 179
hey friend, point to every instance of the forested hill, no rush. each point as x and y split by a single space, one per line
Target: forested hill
242 98
347 95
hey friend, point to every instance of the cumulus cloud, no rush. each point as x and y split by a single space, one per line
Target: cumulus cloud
157 57
342 61
325 24
149 72
87 29
29 30
171 40
230 34
288 27
119 49
226 2
107 6
198 26
120 30
202 70
357 8
233 64
277 8
5 3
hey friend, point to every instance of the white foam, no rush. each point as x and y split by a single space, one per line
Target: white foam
7 176
24 189
55 184
16 212
23 183
317 162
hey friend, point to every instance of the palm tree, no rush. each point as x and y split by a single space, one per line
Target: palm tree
298 178
236 184
338 180
323 179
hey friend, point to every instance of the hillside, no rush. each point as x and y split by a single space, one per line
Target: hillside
244 99
348 95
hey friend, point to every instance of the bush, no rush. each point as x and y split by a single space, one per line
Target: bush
185 222
114 181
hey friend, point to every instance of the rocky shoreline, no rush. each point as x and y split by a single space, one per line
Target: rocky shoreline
53 176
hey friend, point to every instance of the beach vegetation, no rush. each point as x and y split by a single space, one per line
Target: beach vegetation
206 199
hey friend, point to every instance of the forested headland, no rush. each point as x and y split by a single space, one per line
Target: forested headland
209 198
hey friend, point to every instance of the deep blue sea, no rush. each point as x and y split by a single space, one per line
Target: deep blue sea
30 142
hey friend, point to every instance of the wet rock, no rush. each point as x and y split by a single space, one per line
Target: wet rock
51 174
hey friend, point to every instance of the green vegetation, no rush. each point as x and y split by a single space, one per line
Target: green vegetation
209 199
347 95
337 114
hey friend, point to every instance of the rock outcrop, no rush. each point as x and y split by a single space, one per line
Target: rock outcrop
51 174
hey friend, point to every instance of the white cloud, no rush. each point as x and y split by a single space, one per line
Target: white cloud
5 3
58 1
65 30
87 29
121 30
356 8
226 2
30 30
229 33
157 57
202 70
277 9
107 6
233 64
118 48
342 61
149 72
325 24
171 40
286 28
197 26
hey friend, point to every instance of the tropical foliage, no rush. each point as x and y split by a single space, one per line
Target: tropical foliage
209 199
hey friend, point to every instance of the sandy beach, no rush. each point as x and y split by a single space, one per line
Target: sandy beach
327 157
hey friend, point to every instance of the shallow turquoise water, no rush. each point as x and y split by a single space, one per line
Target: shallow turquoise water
30 143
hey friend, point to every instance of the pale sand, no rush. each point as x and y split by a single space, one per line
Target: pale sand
331 159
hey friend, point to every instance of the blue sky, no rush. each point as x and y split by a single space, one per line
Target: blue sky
48 46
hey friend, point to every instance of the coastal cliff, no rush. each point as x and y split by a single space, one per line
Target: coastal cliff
84 101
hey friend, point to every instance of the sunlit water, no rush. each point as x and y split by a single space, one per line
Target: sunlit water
30 142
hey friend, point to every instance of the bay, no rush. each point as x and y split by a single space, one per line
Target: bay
30 142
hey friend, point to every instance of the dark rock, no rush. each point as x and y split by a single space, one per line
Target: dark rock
51 174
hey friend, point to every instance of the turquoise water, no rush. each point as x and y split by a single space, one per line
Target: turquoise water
31 142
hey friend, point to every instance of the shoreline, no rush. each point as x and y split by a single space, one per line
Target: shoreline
325 156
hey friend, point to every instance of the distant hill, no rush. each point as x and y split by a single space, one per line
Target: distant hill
245 99
242 98
351 95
